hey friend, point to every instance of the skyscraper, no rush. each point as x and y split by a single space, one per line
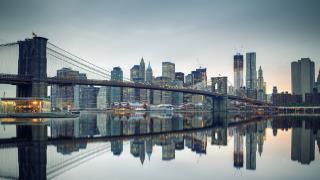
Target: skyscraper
116 75
251 72
103 97
189 80
251 75
261 85
66 97
318 82
142 70
179 76
199 76
238 71
302 77
168 70
149 74
88 97
134 72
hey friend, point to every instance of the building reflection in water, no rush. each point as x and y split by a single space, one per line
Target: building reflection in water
172 132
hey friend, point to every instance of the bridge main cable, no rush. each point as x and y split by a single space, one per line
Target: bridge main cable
95 67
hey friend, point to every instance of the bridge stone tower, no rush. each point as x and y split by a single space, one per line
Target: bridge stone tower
33 62
220 85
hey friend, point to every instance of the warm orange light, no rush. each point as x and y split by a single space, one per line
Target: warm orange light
34 102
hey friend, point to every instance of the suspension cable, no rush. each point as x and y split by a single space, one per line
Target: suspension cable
77 62
89 70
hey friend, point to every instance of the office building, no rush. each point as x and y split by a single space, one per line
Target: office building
66 97
251 72
286 99
179 76
189 80
238 71
168 70
261 87
302 77
199 76
142 70
104 97
162 97
88 97
116 92
317 84
149 74
177 97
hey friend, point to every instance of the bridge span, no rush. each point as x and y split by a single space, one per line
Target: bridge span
32 79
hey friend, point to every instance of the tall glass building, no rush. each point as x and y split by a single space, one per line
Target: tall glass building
238 71
168 70
116 92
251 72
302 76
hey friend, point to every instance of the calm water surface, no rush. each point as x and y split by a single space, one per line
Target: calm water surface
161 146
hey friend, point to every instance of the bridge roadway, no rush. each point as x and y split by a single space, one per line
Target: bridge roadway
19 79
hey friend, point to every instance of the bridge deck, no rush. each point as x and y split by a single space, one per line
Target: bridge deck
20 79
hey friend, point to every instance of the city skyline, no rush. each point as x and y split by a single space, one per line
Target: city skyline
193 34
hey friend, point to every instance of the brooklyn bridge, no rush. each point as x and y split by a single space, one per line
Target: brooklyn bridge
37 59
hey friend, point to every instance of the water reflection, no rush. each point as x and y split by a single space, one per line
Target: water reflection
51 147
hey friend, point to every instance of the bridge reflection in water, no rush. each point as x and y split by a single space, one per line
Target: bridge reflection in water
47 149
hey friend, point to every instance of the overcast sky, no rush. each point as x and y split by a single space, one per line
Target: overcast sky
119 33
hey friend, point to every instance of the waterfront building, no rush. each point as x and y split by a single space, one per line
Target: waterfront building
238 71
104 97
286 99
312 99
88 97
66 97
177 97
162 97
302 77
168 70
25 105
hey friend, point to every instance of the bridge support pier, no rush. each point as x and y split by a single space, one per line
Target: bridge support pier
33 62
220 104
